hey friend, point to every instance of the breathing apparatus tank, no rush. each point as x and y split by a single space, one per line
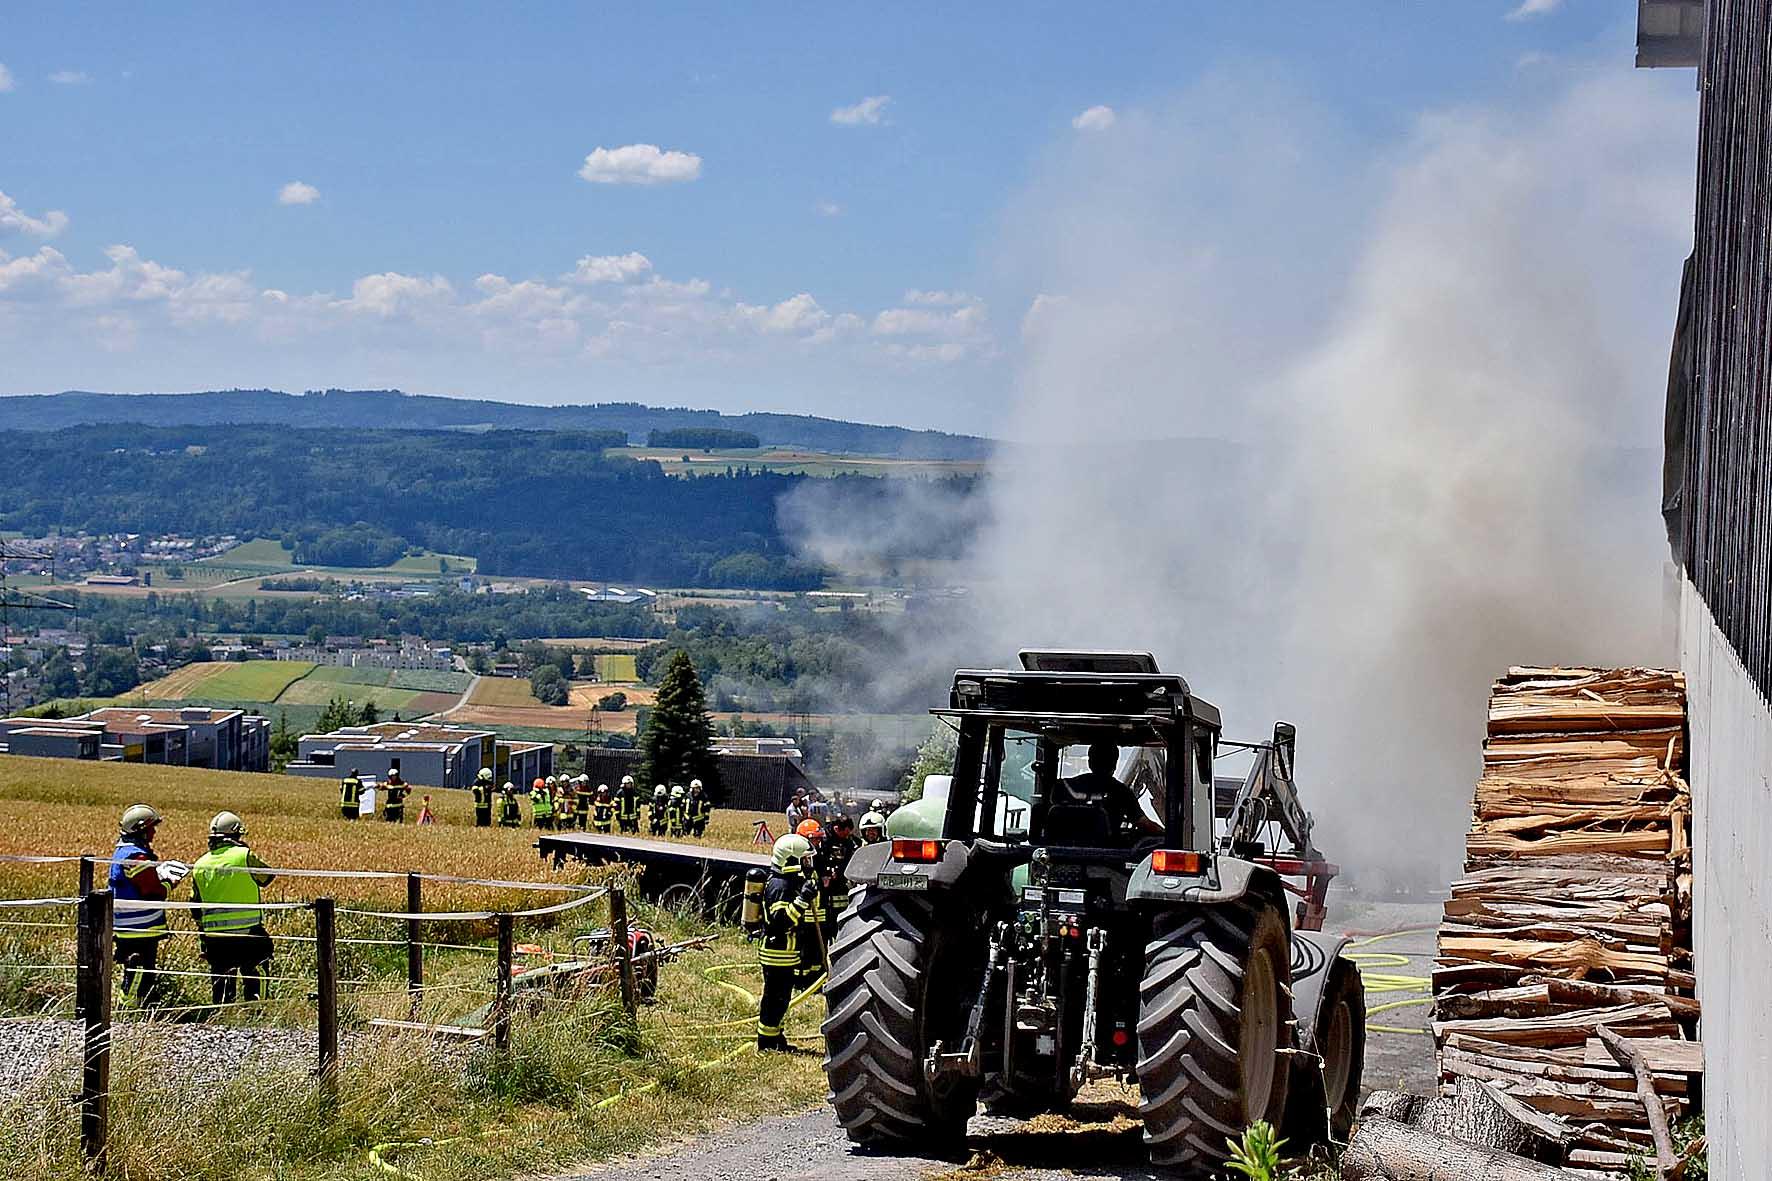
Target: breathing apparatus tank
752 914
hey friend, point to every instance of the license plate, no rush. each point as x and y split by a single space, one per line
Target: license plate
902 881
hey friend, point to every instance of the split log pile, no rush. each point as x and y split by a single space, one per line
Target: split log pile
1573 916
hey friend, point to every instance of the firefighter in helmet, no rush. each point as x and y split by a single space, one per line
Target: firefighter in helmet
786 896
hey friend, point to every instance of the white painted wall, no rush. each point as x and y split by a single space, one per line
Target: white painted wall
1731 764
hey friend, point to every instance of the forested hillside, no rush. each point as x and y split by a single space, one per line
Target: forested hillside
542 503
392 409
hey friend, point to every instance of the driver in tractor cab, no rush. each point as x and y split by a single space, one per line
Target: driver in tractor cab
1097 787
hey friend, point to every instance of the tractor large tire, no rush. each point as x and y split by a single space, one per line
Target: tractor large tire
1325 1094
1214 1025
898 984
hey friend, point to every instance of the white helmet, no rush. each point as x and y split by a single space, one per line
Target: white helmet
695 785
790 851
873 820
627 781
877 806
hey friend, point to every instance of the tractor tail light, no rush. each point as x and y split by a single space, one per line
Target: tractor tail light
922 851
1178 861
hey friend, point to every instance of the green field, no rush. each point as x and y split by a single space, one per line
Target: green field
255 680
616 668
266 555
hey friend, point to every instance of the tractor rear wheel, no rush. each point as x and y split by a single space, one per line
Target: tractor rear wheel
1214 1023
897 985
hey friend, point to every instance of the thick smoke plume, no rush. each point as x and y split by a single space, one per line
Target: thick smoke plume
1342 432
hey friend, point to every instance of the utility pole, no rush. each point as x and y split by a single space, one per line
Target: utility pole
11 597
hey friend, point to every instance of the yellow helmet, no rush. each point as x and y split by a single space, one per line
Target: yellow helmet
790 851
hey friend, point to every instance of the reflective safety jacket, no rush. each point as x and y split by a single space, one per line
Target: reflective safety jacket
566 803
224 874
133 879
482 796
510 813
350 789
700 810
627 805
543 804
833 858
785 898
602 812
674 818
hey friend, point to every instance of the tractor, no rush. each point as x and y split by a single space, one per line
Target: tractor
1089 901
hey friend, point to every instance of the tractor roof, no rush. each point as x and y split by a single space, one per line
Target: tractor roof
1078 688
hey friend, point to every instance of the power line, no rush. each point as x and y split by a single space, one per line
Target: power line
24 600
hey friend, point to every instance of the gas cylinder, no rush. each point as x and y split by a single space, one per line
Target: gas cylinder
752 915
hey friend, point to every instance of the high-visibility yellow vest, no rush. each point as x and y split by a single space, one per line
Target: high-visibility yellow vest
225 875
543 803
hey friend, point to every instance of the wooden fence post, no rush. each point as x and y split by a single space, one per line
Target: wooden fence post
326 968
86 875
415 954
622 948
94 1002
501 993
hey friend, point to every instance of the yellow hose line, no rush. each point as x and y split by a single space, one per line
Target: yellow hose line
1379 982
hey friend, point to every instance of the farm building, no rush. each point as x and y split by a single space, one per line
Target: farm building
425 755
616 594
190 736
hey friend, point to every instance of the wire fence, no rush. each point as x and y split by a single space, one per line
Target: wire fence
109 949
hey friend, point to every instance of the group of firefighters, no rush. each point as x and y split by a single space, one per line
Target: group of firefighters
228 880
801 901
555 802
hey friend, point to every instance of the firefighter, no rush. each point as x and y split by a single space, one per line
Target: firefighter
587 798
234 940
396 791
627 806
817 913
350 793
510 813
790 890
541 804
655 816
138 930
699 810
873 827
676 810
483 798
833 859
603 810
566 805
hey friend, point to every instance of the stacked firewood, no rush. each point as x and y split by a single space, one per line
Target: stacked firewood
1573 915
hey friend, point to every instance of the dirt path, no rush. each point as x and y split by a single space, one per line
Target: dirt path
461 701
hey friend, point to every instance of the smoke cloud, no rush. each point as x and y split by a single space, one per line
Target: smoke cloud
1341 431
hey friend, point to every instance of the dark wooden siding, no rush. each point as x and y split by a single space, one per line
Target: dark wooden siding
1720 385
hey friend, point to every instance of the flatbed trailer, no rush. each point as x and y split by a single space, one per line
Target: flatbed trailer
672 873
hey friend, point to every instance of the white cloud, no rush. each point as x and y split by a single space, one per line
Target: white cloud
14 220
70 77
1098 118
799 313
6 82
1531 8
611 268
639 164
827 209
870 112
391 294
297 193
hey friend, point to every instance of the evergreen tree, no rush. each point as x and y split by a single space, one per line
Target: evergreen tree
678 730
284 746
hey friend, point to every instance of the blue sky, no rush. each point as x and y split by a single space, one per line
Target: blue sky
792 257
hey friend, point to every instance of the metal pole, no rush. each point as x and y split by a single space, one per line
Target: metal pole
501 993
624 952
94 988
86 875
415 956
326 968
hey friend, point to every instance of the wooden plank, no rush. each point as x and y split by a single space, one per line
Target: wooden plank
455 1031
1564 1029
1663 1055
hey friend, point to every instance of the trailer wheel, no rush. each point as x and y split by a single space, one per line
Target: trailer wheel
896 986
1326 1084
1214 1020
